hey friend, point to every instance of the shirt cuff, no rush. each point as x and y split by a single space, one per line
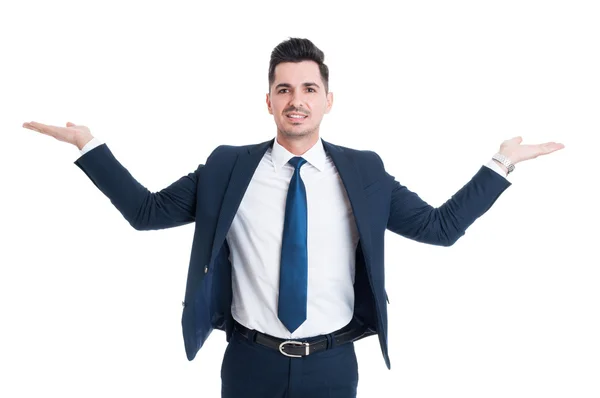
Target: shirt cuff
496 167
94 142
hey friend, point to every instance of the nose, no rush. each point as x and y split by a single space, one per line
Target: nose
297 100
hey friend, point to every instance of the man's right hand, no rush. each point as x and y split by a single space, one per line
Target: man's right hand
73 134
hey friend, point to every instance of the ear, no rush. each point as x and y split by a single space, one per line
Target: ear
329 101
269 104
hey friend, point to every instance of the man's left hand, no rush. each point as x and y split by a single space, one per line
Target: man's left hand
516 152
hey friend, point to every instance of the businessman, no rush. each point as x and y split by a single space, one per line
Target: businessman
288 250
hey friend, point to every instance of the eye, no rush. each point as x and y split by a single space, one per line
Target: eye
313 90
282 90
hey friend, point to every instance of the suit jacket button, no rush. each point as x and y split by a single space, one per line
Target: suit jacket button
205 269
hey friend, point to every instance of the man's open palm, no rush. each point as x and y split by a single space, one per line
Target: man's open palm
73 134
516 152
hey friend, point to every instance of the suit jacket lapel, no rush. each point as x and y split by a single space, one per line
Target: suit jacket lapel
242 173
349 175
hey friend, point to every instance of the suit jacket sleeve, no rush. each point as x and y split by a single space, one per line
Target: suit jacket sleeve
415 219
173 206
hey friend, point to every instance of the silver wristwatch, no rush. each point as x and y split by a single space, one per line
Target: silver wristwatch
505 161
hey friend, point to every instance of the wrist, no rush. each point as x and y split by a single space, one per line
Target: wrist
504 161
502 166
83 139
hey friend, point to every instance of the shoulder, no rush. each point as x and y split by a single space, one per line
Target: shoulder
224 152
363 157
366 155
227 150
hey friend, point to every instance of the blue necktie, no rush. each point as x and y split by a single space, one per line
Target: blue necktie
293 278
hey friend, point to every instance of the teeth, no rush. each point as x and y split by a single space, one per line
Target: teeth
297 116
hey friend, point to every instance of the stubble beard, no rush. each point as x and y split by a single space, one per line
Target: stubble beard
298 135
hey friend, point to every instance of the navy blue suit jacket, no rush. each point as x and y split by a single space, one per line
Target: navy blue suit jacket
210 197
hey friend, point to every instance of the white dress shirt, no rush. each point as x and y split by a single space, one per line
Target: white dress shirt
255 235
255 242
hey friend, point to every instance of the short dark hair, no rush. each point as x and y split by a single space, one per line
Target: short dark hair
297 50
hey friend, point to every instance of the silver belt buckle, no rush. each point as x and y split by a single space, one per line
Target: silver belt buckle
295 343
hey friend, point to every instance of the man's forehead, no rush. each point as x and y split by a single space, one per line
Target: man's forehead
297 73
297 68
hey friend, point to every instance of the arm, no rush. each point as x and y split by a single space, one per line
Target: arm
413 218
172 206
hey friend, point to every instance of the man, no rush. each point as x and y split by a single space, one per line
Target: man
288 256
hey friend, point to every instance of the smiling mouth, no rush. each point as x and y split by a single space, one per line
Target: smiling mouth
296 116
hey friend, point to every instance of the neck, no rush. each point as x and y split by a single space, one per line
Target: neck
297 145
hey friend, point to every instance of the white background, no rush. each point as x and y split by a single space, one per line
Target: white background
91 308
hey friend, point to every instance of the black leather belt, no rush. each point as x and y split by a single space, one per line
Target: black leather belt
305 346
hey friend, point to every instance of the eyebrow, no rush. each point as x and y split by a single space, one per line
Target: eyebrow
287 85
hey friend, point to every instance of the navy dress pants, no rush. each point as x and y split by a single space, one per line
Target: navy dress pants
251 370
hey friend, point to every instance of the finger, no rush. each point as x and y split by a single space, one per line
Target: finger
69 124
31 127
45 128
550 147
518 139
39 127
546 148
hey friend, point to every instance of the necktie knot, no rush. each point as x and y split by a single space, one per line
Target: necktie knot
297 162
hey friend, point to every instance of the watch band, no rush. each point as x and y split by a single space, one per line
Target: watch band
505 161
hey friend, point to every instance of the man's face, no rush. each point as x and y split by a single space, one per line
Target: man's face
297 98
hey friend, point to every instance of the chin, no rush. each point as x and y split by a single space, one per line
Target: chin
303 132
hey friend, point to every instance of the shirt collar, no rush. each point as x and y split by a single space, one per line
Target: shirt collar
315 155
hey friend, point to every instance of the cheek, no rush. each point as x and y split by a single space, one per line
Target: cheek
276 108
319 106
318 109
